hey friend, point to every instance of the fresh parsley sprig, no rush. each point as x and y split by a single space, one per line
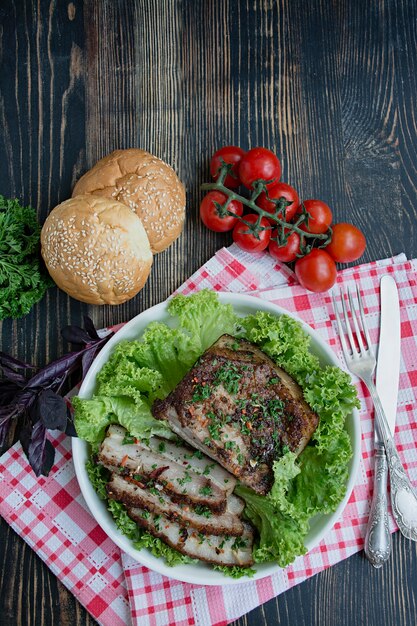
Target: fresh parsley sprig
23 280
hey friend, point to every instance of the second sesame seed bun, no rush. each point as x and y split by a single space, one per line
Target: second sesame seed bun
146 185
96 250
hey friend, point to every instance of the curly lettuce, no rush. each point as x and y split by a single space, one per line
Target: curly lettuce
140 371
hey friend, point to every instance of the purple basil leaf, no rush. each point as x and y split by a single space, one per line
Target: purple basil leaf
8 392
88 358
36 448
75 334
5 423
90 328
70 429
49 458
6 359
52 409
12 375
25 434
55 370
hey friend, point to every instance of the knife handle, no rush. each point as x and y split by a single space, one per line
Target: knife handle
403 494
378 537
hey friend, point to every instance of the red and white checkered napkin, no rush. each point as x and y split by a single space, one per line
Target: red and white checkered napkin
50 514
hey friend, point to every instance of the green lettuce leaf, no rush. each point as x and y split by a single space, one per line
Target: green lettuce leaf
92 417
204 318
284 340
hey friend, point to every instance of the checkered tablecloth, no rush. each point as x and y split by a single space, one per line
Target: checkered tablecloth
51 516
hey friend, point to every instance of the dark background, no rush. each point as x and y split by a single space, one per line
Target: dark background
329 85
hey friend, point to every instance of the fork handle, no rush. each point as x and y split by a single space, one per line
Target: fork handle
378 537
403 496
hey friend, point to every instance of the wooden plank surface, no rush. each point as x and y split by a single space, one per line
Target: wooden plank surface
329 85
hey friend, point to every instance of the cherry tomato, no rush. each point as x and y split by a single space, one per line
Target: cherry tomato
348 243
210 212
321 217
287 252
246 240
316 271
228 154
259 164
276 191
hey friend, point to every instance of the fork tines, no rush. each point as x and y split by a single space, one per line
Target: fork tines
357 331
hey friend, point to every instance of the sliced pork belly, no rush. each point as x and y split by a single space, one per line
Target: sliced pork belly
195 460
180 482
238 407
130 493
219 550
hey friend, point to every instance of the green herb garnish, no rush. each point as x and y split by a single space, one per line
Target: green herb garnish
23 281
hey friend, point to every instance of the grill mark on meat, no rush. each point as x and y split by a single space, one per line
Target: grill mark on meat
218 550
180 482
131 494
238 407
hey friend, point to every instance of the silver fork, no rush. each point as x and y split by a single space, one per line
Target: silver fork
361 361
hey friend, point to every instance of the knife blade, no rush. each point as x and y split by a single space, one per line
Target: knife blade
389 352
378 538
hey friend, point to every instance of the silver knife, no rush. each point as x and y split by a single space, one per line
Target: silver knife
378 538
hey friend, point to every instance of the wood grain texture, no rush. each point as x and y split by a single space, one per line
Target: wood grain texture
329 85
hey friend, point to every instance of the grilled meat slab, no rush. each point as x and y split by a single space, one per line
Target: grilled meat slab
179 481
238 407
133 494
219 550
195 460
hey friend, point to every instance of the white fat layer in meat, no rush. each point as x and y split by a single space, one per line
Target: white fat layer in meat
205 465
219 550
131 494
178 479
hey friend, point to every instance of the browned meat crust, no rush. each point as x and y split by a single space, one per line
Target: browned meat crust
218 550
149 466
130 493
238 407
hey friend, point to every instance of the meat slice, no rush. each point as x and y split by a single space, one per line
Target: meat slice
238 407
128 491
195 460
136 459
216 549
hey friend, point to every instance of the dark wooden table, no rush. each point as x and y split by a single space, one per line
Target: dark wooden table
330 86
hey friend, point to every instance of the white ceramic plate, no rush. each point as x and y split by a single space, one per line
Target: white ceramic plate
203 574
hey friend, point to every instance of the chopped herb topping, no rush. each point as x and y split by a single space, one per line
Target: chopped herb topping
145 514
239 543
206 490
229 376
185 479
273 381
154 491
162 446
214 431
276 408
229 445
202 510
226 538
201 392
208 469
128 439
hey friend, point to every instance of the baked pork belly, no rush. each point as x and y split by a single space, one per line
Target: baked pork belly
136 459
239 408
195 460
134 494
216 549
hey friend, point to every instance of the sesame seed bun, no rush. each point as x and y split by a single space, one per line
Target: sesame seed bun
146 185
96 250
